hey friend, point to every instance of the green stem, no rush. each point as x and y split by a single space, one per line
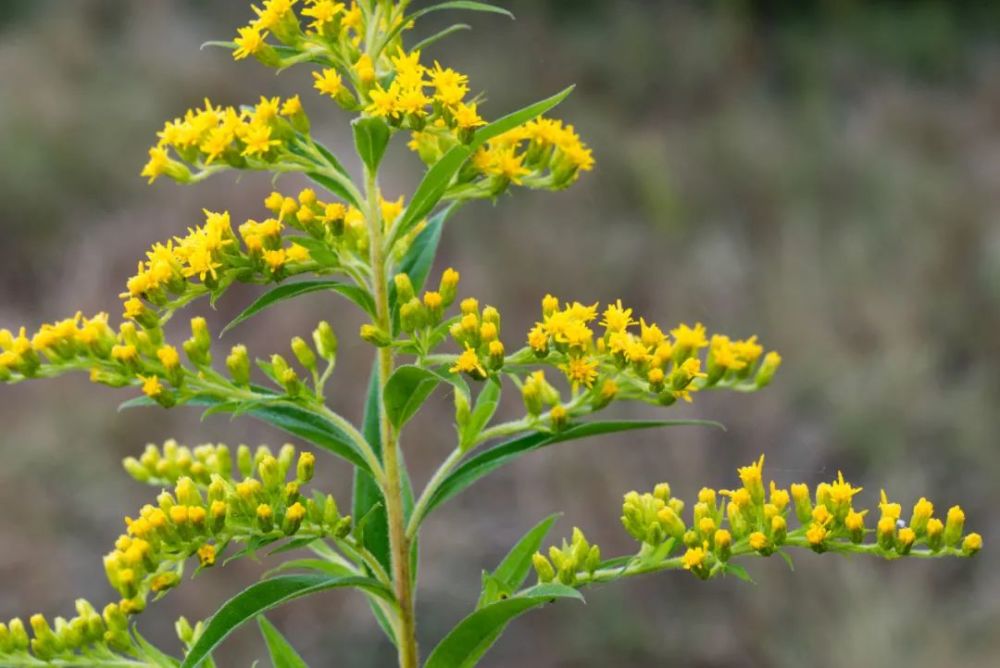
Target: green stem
421 506
399 543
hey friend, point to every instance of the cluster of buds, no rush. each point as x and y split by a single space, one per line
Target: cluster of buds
543 154
197 517
282 372
89 638
420 316
648 365
206 140
166 465
211 254
567 563
478 334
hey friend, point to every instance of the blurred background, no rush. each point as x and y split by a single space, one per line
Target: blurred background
825 175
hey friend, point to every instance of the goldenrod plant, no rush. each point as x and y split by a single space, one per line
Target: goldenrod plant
345 237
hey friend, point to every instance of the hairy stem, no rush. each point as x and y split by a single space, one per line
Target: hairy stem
399 543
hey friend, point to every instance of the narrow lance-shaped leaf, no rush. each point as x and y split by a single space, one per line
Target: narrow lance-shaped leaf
514 568
438 36
473 636
439 176
283 655
490 460
283 293
367 494
482 413
263 596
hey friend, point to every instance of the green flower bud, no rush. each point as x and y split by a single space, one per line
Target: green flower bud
303 353
543 567
238 363
325 340
306 468
135 469
375 336
244 460
404 288
184 631
270 473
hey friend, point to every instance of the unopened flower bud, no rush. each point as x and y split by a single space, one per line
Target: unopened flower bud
404 288
972 544
325 340
767 369
304 354
238 364
954 526
448 287
306 467
244 460
375 336
543 567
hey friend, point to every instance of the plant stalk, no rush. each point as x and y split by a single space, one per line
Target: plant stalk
399 543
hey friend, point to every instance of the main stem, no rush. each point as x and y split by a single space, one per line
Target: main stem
399 543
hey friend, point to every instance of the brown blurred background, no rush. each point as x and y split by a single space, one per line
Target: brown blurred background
826 176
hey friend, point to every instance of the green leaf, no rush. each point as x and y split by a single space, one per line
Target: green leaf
482 413
490 460
424 43
437 179
461 4
288 291
473 636
319 565
263 596
407 390
371 137
334 187
283 655
153 654
367 494
514 568
738 571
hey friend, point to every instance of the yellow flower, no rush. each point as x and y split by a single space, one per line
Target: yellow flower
151 386
468 362
617 318
581 371
258 140
249 42
292 106
691 338
694 558
383 102
328 82
466 117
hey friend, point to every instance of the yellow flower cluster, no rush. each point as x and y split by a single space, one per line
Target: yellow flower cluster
213 137
478 333
755 519
419 96
647 364
90 344
89 635
334 32
541 154
212 255
200 519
